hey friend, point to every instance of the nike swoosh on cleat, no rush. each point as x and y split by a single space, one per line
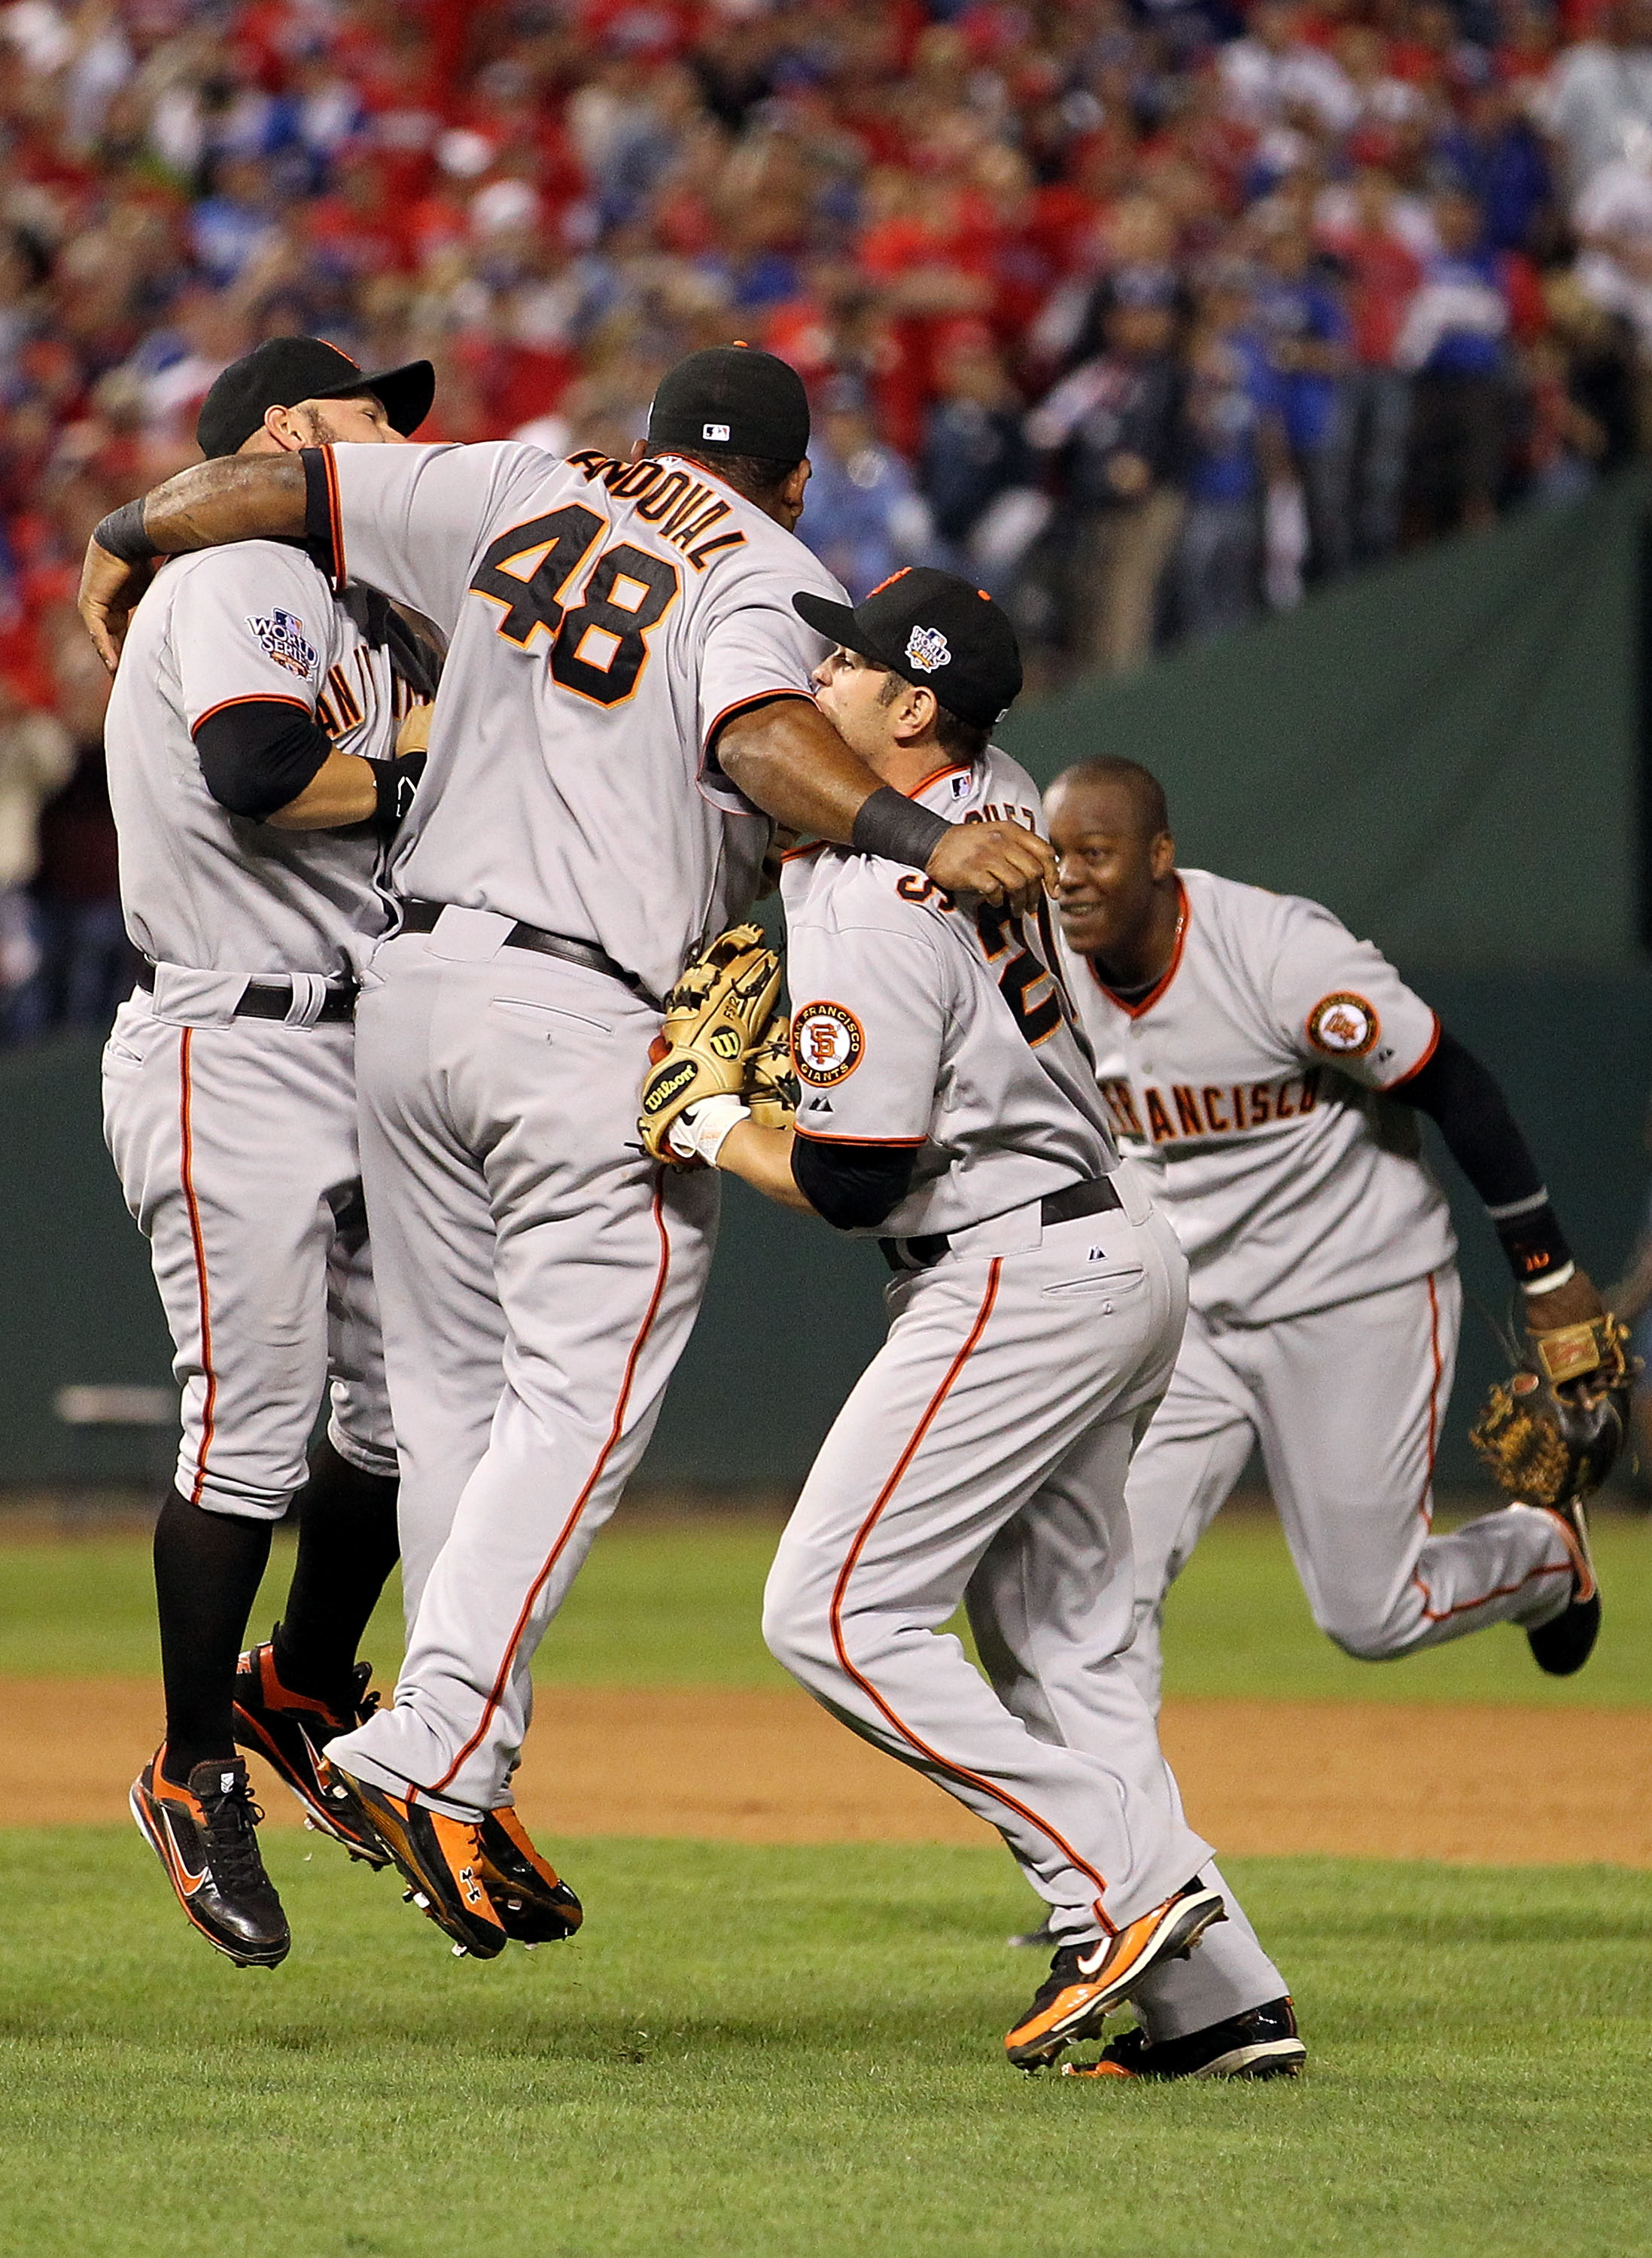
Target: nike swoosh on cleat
186 1883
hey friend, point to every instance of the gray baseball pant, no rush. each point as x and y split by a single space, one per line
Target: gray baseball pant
539 1277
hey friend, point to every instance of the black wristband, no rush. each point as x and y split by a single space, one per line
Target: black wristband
395 781
122 534
1532 1240
898 828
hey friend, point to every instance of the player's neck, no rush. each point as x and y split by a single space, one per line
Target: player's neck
1145 958
906 767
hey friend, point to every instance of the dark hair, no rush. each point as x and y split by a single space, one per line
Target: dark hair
965 741
758 477
1141 784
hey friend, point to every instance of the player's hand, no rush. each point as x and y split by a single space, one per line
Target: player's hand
414 736
1574 1303
109 589
998 862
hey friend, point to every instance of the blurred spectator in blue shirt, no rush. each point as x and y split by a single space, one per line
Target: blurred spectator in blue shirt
1493 153
1306 332
1456 339
978 470
863 515
1236 448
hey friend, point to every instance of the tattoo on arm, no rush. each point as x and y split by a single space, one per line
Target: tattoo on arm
234 498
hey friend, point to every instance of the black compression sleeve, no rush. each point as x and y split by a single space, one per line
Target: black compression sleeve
853 1186
1463 1099
259 754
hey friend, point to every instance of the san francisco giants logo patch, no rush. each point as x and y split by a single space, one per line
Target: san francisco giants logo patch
1345 1026
826 1043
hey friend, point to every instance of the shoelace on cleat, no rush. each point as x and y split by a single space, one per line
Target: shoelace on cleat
233 1843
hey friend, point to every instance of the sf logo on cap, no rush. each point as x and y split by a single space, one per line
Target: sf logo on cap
927 648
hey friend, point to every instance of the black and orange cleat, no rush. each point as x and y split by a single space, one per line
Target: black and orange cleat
1566 1641
1262 2042
534 1904
1087 1982
206 1837
289 1730
439 1858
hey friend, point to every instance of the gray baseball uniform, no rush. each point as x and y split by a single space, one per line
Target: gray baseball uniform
235 1137
981 1455
1324 1300
540 1275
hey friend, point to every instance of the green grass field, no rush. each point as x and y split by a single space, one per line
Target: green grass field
751 2052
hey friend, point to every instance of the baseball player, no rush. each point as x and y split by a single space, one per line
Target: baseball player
946 1105
1268 1069
627 688
254 777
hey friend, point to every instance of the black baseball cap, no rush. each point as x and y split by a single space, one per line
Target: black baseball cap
935 631
283 371
731 400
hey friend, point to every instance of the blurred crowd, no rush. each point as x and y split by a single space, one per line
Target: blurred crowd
1148 313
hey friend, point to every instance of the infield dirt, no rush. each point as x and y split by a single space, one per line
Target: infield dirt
1472 1783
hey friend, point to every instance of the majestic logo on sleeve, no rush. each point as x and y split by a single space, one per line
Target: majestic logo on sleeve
826 1043
928 649
283 639
1343 1025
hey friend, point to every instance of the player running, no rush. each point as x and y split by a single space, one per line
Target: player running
1269 1069
254 774
947 1108
626 688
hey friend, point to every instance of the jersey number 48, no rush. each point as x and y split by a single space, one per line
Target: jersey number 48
600 649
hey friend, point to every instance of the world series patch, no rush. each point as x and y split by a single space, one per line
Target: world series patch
1344 1025
282 638
826 1043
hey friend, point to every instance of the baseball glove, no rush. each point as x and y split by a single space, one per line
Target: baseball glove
715 1017
771 1083
1554 1433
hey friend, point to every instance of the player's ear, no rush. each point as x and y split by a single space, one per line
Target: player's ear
1164 856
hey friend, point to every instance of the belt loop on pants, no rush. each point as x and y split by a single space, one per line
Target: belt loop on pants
1065 1206
308 999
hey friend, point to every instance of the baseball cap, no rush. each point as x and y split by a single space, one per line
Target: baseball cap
731 400
283 371
934 630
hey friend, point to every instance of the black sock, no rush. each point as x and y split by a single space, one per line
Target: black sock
208 1569
347 1545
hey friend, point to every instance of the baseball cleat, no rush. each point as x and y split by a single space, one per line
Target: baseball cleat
439 1858
1041 1939
533 1904
1088 1981
1262 2042
289 1731
206 1837
1566 1642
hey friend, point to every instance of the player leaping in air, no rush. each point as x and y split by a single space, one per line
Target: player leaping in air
1270 1068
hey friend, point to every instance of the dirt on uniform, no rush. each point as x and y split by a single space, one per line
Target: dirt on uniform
1365 1779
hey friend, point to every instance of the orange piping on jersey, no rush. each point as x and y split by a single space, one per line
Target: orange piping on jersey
952 768
496 1692
198 1247
1184 917
802 854
841 1592
824 1137
1400 1080
253 698
746 706
335 516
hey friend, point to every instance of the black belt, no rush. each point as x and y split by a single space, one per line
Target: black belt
420 917
272 999
1065 1206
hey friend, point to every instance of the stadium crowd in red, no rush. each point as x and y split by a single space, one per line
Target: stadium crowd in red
1147 313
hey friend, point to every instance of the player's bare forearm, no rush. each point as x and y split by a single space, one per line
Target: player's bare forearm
1574 1303
787 759
763 1159
234 498
342 790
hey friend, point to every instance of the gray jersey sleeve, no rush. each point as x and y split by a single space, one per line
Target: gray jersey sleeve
256 623
867 1033
756 651
410 521
1339 1001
